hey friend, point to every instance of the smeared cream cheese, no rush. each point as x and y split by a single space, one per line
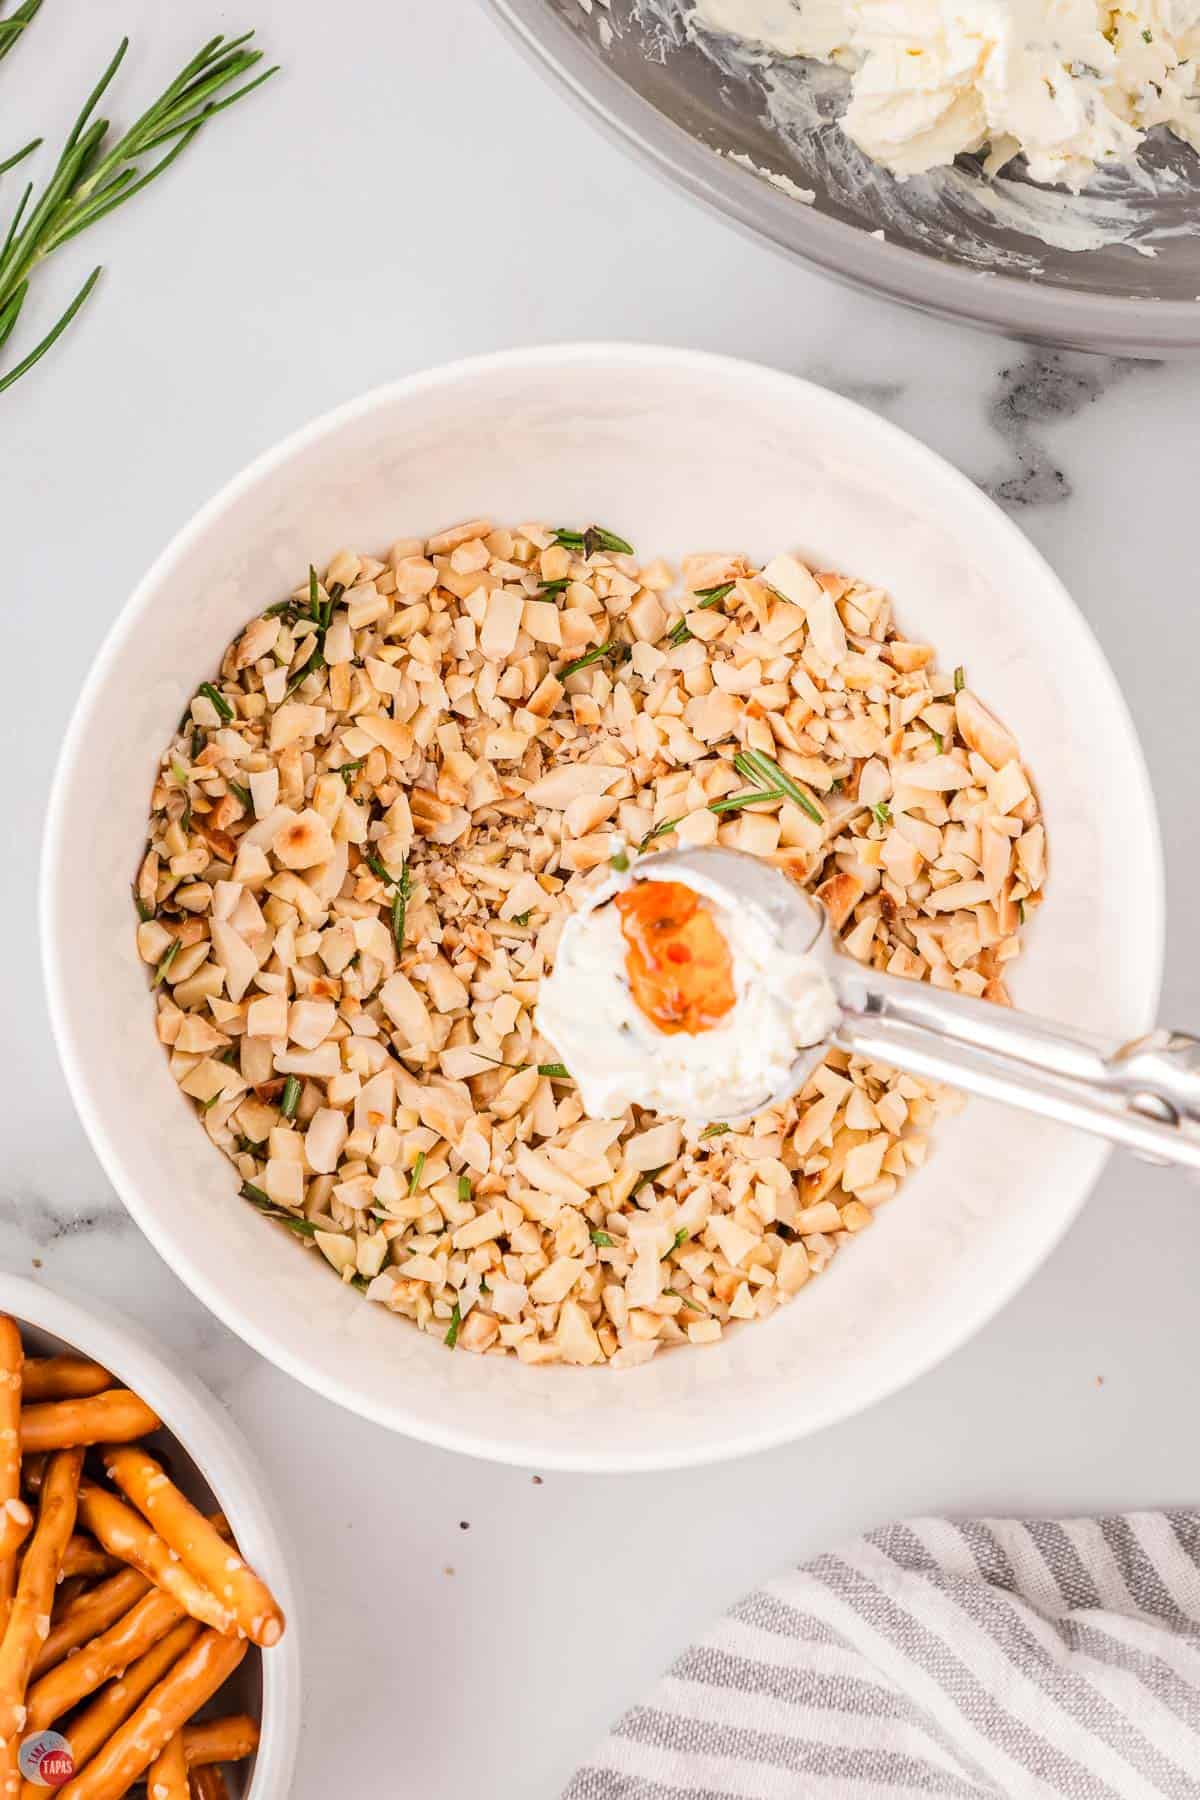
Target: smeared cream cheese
619 1058
1072 84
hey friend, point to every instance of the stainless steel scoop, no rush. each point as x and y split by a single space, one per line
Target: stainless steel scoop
1144 1094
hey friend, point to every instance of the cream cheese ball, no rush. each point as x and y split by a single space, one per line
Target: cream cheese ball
1071 84
679 1059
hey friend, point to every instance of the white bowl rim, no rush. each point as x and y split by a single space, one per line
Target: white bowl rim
191 1414
396 1416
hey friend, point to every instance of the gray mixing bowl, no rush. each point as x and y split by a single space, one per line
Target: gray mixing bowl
740 131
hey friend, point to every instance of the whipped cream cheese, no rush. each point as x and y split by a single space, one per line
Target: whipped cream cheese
619 1058
1072 84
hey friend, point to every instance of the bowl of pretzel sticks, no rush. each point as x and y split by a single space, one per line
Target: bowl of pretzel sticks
147 1637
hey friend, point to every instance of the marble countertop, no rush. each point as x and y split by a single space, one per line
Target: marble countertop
410 191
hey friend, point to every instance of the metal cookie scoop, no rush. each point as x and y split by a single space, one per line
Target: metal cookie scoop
1145 1094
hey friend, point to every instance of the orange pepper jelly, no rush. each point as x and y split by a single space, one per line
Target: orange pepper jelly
680 967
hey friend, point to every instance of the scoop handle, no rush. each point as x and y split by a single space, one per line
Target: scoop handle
1144 1095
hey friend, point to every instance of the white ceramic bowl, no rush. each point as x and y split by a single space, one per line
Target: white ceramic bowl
213 1465
675 450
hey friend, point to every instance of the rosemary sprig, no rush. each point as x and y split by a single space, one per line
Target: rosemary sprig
464 1187
555 1071
403 886
321 614
960 679
416 1172
659 830
10 162
680 632
217 700
455 1326
715 1131
168 957
755 765
290 1099
90 180
400 907
736 802
618 652
726 804
586 543
881 812
300 1227
601 1240
12 28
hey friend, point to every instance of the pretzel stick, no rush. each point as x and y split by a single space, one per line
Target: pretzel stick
88 1616
167 1776
197 1545
126 1534
63 1378
195 1678
15 1523
112 1418
35 1585
83 1557
220 1740
92 1727
73 1680
11 1361
208 1783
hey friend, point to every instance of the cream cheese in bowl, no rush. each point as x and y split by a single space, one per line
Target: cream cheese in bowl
712 1068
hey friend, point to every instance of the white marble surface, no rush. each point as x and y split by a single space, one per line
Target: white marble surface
409 191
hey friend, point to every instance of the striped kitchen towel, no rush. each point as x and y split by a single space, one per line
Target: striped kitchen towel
988 1659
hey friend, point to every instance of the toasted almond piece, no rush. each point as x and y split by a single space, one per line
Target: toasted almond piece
789 577
981 730
406 1009
302 841
840 895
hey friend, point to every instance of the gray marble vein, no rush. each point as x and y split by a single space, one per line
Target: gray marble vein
1044 388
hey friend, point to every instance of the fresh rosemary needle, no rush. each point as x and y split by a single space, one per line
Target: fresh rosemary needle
13 28
755 765
727 803
681 631
587 543
617 651
92 179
